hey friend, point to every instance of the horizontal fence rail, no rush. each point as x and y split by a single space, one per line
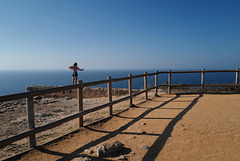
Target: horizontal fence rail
29 94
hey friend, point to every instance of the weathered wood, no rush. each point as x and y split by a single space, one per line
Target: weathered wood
31 120
156 82
199 85
80 102
130 90
237 79
110 95
237 76
169 81
200 71
145 85
202 80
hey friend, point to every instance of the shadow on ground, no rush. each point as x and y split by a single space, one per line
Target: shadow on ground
152 152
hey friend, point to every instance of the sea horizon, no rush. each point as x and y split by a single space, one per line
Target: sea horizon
15 81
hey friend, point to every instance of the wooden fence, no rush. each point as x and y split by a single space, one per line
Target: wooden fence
29 94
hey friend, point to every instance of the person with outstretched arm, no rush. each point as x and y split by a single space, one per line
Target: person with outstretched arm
75 68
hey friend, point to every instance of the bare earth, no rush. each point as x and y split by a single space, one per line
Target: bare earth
174 127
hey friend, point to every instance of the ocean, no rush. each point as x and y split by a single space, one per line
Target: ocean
12 82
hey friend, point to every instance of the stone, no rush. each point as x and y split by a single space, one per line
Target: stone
45 102
144 123
2 111
88 151
143 132
23 103
133 137
144 147
37 97
122 157
55 96
108 148
36 101
87 159
52 101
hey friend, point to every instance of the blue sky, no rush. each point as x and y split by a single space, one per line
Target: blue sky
119 34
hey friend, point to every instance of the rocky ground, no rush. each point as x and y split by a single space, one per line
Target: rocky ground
13 116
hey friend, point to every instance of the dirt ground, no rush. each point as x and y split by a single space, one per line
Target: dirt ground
170 127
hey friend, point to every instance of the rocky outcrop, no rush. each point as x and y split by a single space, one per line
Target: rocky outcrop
87 92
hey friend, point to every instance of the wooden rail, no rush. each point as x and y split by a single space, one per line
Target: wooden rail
29 94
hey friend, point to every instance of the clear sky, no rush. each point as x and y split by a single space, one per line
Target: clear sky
120 34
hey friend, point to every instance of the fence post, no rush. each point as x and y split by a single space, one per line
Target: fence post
110 95
31 120
130 89
145 85
202 80
80 102
237 78
156 82
169 81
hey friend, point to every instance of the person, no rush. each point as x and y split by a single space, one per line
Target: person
75 68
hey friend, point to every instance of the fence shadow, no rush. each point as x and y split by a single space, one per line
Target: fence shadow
109 135
158 145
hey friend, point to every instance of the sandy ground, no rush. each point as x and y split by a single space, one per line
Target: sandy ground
183 127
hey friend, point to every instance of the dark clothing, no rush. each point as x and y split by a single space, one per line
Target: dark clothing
75 74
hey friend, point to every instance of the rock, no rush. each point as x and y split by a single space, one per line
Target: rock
52 101
22 103
108 148
10 109
88 151
14 106
144 147
14 102
68 98
2 111
87 159
7 104
143 132
55 96
37 101
37 97
122 157
45 102
133 137
183 129
144 123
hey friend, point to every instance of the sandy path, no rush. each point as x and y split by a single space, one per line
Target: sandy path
185 127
